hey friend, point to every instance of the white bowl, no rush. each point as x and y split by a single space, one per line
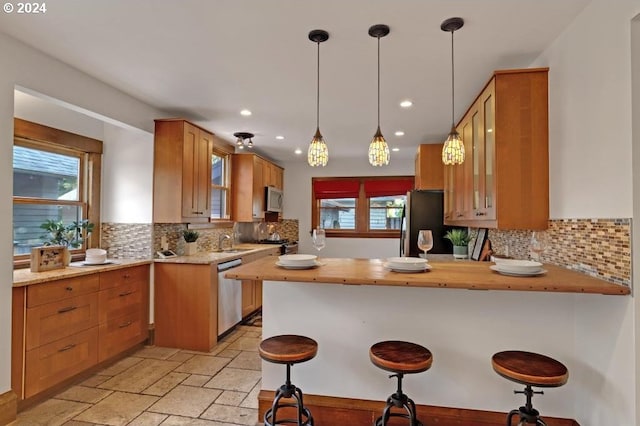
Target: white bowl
407 261
297 259
95 256
518 266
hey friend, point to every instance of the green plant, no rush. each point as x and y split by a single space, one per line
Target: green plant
72 235
458 237
190 236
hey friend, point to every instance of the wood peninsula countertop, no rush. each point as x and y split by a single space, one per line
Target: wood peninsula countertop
24 277
444 274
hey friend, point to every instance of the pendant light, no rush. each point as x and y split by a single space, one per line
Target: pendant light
453 149
378 149
318 154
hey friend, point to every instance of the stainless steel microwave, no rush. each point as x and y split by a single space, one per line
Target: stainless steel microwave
273 199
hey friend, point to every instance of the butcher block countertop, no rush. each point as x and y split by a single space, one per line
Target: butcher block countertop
23 277
444 274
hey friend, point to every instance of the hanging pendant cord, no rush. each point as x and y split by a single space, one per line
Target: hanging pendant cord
452 85
318 91
378 82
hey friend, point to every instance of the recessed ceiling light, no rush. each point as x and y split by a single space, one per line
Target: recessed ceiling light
298 151
406 103
245 112
395 149
399 133
279 137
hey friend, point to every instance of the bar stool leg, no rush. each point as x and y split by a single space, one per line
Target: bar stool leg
398 400
288 390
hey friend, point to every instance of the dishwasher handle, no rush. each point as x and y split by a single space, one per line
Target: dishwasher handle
228 265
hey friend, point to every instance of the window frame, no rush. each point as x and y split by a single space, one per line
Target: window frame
226 156
89 151
361 210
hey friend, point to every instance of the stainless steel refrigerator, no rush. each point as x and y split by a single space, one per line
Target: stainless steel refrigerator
424 210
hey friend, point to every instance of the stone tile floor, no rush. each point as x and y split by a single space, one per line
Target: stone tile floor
163 386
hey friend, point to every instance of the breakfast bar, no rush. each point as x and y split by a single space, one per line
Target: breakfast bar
463 312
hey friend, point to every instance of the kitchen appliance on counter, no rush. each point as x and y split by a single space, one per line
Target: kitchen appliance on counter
424 210
286 246
229 298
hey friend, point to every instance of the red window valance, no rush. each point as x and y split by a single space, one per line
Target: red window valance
386 187
336 188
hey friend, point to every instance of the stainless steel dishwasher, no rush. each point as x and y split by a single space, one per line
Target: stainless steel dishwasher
229 297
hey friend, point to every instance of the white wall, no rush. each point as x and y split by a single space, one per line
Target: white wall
31 108
31 69
590 113
127 175
591 169
297 204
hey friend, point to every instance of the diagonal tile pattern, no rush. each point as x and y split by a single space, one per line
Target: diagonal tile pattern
164 387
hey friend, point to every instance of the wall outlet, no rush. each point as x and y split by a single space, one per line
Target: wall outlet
164 245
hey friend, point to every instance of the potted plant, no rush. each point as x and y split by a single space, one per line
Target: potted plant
67 236
190 237
460 240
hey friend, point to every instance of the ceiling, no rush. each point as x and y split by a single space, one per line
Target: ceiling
206 60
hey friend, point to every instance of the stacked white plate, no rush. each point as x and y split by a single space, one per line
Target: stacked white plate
297 261
95 257
407 264
523 268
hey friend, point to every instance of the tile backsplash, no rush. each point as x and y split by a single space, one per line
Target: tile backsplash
127 240
597 247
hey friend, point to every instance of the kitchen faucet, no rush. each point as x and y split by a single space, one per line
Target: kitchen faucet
221 240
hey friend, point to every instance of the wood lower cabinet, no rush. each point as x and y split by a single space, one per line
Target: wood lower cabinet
181 172
186 306
64 327
251 296
504 180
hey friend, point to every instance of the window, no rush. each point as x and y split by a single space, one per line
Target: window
220 179
52 181
360 207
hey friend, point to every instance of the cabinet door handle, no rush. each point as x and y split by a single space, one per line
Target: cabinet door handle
197 212
126 293
126 276
69 288
66 348
480 213
126 324
460 215
67 309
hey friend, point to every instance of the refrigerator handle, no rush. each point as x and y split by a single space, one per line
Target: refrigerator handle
403 231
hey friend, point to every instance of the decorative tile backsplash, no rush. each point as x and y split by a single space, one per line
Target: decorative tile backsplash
127 240
597 247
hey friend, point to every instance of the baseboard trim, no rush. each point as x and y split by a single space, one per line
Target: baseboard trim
327 410
8 407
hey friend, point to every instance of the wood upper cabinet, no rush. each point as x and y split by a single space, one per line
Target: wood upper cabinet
181 172
429 167
250 175
504 181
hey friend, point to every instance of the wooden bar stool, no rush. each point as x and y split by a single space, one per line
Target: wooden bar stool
529 369
400 358
288 349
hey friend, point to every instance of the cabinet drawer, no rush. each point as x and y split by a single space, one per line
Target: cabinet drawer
120 334
50 364
122 276
53 321
39 294
121 300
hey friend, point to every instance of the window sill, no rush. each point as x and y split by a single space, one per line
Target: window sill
353 234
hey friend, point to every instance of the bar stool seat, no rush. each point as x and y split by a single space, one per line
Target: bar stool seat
288 349
400 358
529 369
